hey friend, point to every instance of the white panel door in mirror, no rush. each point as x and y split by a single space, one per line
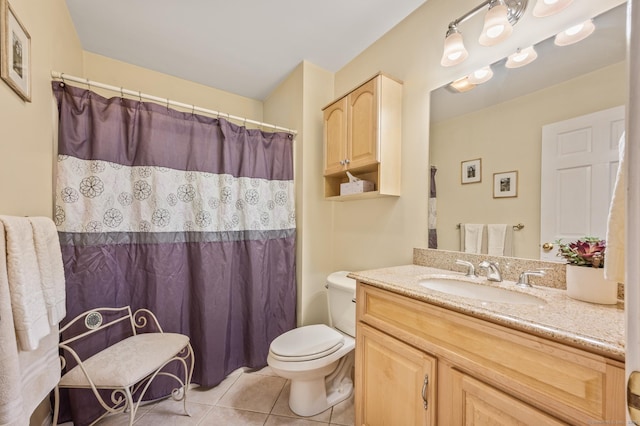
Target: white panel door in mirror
579 165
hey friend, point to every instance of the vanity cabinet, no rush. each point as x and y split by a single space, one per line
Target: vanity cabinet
362 135
486 374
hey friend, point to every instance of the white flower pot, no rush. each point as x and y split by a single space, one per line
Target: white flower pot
588 284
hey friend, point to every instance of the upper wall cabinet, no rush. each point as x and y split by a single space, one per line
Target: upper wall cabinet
362 135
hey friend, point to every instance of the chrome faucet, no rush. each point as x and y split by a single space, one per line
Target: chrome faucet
493 271
471 270
523 281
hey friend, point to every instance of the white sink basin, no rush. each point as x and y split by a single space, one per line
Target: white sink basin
477 291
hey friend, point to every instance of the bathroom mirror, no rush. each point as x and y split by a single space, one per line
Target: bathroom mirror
500 122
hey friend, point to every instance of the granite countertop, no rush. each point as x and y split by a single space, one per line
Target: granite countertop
595 328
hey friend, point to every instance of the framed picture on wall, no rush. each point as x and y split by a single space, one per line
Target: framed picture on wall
471 171
505 184
15 52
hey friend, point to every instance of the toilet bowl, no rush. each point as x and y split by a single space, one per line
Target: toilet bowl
318 359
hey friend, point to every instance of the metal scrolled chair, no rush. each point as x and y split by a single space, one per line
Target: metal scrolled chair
127 367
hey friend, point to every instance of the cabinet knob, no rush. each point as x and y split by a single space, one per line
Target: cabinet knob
346 161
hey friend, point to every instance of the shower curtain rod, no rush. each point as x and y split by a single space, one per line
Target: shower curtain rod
65 77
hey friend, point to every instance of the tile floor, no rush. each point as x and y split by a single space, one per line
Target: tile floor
243 398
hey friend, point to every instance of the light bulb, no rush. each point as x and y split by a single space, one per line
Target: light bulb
481 76
574 30
521 58
549 7
575 33
495 31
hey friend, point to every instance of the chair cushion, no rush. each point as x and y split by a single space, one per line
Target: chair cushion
126 362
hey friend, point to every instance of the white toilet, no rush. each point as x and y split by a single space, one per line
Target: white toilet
316 358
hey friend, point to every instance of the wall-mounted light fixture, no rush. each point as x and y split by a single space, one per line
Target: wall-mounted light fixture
461 85
454 50
549 7
521 58
480 76
575 33
498 25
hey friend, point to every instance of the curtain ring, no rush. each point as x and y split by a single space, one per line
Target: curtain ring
121 92
88 83
140 95
193 109
167 104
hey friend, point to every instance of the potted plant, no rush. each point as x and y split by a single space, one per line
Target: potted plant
585 271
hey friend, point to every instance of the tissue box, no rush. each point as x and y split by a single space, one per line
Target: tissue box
356 187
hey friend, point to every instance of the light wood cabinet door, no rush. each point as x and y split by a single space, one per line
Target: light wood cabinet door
363 135
475 403
395 383
335 137
363 130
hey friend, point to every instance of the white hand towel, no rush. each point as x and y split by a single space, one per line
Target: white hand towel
49 256
614 253
497 236
11 404
30 317
26 377
473 233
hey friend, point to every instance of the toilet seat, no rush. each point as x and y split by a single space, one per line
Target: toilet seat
306 343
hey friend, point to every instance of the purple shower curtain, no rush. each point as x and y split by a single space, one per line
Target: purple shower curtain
189 216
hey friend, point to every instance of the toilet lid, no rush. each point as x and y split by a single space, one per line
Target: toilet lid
306 343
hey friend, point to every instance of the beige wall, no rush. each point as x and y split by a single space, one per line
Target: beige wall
121 74
508 137
26 146
295 104
383 232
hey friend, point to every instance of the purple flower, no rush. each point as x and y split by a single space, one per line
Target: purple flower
588 251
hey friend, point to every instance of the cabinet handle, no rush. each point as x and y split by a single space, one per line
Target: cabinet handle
424 391
633 396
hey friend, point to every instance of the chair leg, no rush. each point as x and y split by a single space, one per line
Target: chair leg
187 375
56 405
132 408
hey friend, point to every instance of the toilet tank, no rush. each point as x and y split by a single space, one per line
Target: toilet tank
341 293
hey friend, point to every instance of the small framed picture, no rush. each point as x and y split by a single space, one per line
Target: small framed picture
505 184
15 52
471 171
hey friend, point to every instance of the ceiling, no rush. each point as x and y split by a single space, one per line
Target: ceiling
246 47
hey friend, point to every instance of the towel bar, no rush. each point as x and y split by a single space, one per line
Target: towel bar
515 227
